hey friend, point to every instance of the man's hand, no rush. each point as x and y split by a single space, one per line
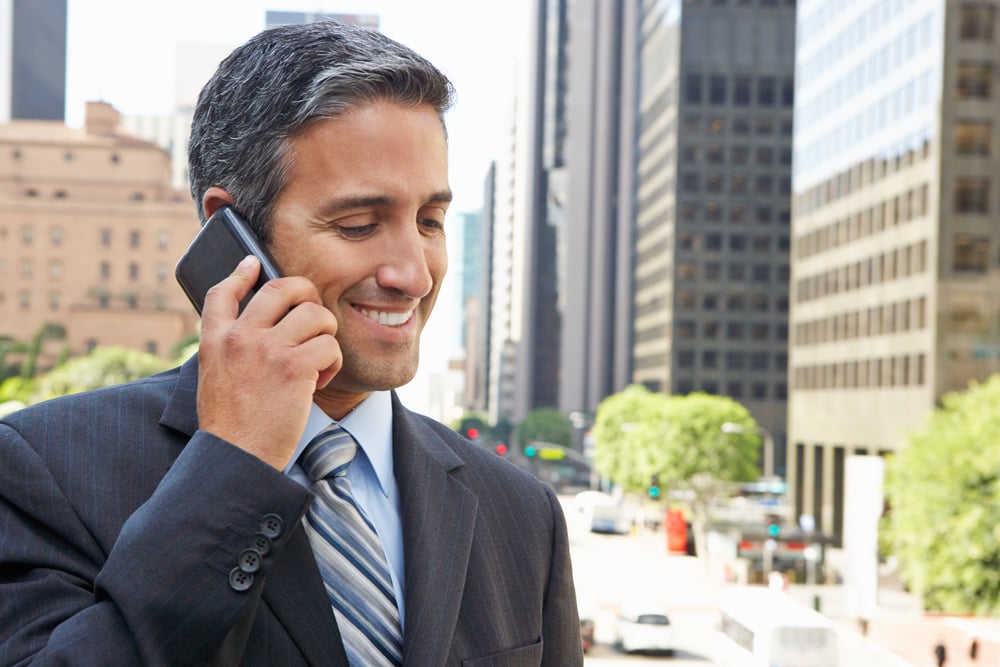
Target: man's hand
257 371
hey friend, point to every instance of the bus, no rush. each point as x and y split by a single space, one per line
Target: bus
763 627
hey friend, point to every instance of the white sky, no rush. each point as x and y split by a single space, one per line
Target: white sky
123 52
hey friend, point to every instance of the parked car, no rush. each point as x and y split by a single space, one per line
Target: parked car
587 633
645 628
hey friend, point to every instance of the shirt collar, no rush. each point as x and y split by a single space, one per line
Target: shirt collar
370 423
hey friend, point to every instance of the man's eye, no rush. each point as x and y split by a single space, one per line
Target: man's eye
431 223
357 232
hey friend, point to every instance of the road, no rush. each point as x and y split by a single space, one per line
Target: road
615 570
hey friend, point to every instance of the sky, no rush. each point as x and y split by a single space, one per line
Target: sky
123 52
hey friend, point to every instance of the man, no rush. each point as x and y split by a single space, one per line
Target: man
170 521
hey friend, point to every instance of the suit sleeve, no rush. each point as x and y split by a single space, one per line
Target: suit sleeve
561 619
169 591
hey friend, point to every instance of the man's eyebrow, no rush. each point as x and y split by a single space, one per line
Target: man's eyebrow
368 201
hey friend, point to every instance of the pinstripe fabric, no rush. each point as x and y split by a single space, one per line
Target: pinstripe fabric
349 554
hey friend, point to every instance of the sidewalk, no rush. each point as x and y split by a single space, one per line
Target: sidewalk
909 635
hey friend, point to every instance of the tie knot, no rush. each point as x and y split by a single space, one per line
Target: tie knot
329 453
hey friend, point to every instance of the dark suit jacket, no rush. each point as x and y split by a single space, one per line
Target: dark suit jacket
121 525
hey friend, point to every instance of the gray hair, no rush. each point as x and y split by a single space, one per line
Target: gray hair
273 87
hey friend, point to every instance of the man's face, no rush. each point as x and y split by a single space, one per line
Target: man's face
362 216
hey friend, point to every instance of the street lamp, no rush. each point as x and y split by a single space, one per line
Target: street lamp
732 427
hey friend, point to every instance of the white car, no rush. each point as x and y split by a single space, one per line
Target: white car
645 628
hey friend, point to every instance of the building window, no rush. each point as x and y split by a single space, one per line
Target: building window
163 240
971 254
972 195
974 80
692 89
742 91
151 346
162 271
685 359
53 300
973 137
55 269
717 90
975 21
710 359
27 235
686 329
735 360
106 238
105 270
56 236
734 331
133 271
25 268
766 91
133 238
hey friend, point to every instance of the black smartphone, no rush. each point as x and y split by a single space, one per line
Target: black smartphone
214 253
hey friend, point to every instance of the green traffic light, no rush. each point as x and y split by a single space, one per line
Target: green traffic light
529 451
773 529
654 492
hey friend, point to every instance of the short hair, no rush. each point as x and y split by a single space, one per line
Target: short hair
273 87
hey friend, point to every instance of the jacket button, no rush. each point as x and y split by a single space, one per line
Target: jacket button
240 580
271 525
261 543
249 561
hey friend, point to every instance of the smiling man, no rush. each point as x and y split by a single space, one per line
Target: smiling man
271 502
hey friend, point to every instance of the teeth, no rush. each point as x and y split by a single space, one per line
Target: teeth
388 319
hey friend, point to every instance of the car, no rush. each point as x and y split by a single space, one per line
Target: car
645 628
586 633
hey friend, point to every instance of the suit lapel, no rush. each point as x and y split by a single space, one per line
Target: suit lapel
438 516
294 589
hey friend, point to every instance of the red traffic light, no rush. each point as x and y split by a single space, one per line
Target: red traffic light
473 433
501 449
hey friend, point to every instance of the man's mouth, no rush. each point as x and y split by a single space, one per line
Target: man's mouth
386 318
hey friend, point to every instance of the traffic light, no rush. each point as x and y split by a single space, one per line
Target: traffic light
773 529
501 449
654 487
530 451
472 432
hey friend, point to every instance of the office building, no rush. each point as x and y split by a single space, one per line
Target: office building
896 269
712 198
32 60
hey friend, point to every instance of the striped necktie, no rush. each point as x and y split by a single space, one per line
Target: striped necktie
349 554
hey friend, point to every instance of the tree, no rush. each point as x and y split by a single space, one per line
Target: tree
943 489
638 434
103 367
679 439
545 425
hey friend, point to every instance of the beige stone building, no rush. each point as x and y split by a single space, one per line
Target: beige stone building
896 226
90 231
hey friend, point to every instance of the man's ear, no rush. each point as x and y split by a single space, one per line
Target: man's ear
214 198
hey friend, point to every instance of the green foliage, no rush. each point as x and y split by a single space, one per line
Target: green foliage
944 491
638 434
103 367
545 425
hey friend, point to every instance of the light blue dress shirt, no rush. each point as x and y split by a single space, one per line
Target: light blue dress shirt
371 473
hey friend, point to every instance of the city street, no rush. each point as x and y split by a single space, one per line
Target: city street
616 570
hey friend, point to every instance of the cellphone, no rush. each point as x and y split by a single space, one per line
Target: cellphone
214 253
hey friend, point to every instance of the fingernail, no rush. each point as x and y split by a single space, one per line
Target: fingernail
247 261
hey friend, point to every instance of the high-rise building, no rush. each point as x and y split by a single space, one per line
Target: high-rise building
895 297
32 60
712 204
90 231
